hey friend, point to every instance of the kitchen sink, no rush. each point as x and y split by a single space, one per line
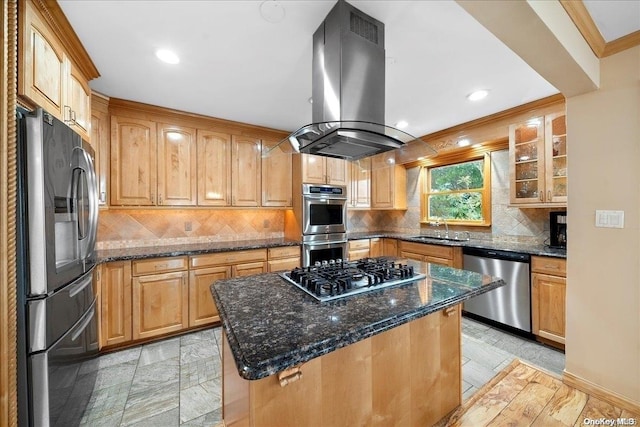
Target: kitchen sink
455 237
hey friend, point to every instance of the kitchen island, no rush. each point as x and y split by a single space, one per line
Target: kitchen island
388 357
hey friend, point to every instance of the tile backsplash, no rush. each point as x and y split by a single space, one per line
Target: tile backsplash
150 227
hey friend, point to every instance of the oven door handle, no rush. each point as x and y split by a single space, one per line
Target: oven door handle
324 199
324 243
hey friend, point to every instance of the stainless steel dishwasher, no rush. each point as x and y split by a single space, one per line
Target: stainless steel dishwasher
510 304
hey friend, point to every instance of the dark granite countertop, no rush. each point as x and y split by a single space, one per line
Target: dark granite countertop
141 252
272 325
527 248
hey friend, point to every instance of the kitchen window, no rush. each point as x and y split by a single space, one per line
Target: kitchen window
459 193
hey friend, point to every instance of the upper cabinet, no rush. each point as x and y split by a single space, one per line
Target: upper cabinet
276 176
538 162
245 171
388 184
360 184
54 68
324 170
176 165
100 130
214 168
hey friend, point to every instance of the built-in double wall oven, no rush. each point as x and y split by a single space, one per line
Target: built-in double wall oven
324 223
57 224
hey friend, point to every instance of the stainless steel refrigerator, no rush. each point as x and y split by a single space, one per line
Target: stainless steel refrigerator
57 223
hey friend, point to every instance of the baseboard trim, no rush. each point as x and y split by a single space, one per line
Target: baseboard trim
600 392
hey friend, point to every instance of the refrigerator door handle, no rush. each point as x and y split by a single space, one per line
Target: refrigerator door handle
86 165
77 287
37 325
80 328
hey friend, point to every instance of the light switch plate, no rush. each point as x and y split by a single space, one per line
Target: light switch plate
610 219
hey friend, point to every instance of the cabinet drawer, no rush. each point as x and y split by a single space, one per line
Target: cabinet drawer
284 264
355 245
547 265
159 265
284 252
222 258
430 250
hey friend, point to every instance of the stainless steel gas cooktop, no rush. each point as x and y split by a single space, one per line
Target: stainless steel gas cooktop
335 279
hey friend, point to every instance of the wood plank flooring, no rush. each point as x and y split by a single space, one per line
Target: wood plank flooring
522 395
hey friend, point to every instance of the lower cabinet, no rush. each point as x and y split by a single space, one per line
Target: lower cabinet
115 303
548 289
359 249
389 247
160 300
444 255
202 309
284 258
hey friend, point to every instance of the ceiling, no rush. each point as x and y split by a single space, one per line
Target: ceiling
237 65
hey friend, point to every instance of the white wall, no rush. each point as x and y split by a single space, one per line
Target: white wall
603 277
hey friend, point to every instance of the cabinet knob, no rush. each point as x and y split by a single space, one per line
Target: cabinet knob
160 198
549 196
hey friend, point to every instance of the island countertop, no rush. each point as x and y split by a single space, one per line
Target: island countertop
271 325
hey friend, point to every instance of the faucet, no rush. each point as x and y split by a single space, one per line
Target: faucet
446 227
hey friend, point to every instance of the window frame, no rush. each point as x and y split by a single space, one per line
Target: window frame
485 192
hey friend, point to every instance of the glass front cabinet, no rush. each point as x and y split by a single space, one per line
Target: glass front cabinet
538 161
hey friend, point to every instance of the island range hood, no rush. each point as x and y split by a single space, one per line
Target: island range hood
348 92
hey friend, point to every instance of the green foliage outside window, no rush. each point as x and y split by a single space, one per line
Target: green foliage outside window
456 191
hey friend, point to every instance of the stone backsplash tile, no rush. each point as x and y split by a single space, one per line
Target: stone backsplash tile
148 227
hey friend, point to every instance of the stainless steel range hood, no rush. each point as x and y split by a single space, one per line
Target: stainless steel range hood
348 88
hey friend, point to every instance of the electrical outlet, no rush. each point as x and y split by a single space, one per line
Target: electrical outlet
187 226
610 219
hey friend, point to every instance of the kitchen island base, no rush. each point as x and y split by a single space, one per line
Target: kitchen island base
406 376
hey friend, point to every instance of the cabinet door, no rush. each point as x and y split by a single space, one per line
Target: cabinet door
202 308
388 185
245 180
358 254
133 161
100 143
43 68
389 247
276 177
548 306
176 165
214 168
556 153
360 184
78 102
313 169
249 269
375 247
526 161
337 171
115 300
411 255
437 260
160 304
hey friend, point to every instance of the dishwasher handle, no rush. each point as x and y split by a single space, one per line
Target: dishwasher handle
497 254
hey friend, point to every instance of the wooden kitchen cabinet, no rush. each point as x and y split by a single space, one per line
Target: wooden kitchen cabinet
115 303
389 247
324 170
160 302
388 184
177 175
443 255
548 291
538 162
276 177
359 249
375 247
202 308
245 171
283 258
100 131
360 184
55 67
133 161
214 168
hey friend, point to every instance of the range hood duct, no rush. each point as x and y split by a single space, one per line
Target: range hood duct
348 90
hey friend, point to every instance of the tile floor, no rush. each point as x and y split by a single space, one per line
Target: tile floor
177 382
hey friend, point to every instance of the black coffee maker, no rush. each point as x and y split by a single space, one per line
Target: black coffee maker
558 229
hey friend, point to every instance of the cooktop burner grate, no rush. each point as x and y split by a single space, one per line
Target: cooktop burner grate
334 279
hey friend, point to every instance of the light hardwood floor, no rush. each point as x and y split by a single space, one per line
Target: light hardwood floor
522 395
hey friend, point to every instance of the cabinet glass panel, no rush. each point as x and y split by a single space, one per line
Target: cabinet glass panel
527 152
560 186
526 170
527 189
559 167
527 132
559 145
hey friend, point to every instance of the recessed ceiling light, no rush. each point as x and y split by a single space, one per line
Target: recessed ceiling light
272 11
477 95
402 124
167 56
463 142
